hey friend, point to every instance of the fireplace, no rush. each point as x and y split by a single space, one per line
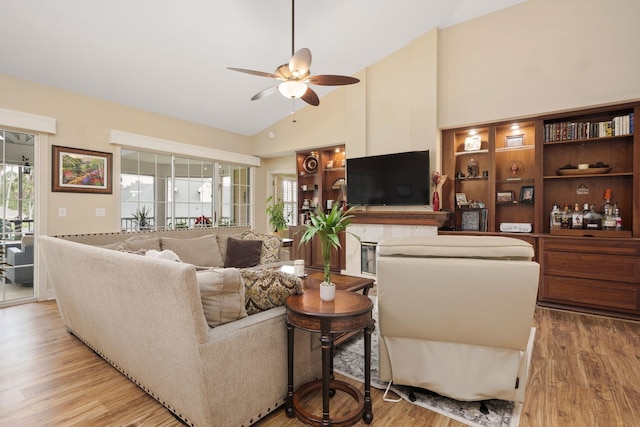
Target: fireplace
368 258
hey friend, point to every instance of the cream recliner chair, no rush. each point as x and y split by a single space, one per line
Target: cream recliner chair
455 314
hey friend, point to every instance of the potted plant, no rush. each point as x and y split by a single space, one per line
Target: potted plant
141 215
328 226
277 217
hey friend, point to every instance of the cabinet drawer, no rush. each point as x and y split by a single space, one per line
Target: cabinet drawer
592 245
590 293
592 266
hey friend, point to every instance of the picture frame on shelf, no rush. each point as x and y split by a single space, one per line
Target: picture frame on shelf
503 197
77 170
472 143
512 141
461 200
526 194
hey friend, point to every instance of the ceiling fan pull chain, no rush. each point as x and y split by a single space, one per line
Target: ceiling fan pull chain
293 111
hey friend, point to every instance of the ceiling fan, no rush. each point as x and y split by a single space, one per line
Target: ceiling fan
295 76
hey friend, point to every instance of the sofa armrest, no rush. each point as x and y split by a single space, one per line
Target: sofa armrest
17 256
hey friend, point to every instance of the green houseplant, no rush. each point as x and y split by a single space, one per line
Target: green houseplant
141 215
328 226
277 217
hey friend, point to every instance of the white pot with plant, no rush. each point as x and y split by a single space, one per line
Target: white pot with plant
277 217
328 226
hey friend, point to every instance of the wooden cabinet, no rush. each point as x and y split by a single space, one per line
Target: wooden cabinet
497 174
321 183
589 270
599 275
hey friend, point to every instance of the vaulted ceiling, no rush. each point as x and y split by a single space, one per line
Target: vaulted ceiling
171 57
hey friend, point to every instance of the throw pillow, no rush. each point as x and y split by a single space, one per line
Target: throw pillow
135 243
202 251
270 245
222 294
222 242
242 253
269 288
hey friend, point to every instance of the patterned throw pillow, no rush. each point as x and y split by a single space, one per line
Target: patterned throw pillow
268 288
270 246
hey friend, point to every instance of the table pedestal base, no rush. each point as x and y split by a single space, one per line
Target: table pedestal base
314 420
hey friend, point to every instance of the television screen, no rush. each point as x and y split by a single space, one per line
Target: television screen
390 179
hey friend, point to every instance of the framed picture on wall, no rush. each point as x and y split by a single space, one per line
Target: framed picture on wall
77 170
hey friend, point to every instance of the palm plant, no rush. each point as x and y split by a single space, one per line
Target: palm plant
328 226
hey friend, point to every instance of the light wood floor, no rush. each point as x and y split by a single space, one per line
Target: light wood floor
585 372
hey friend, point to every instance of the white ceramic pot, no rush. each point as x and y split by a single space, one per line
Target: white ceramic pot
327 291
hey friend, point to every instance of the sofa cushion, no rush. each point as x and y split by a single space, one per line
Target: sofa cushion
223 295
270 245
269 288
222 242
242 253
201 251
136 243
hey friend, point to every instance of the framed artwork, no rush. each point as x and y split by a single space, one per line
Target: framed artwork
461 199
505 196
472 143
471 219
526 194
514 141
81 171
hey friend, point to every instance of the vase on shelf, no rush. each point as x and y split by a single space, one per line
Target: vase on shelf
438 180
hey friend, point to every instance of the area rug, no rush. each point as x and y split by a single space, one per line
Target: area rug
349 361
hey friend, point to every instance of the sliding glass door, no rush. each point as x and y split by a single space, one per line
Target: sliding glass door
17 210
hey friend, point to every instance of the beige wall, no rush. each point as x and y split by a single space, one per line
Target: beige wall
536 57
386 112
86 122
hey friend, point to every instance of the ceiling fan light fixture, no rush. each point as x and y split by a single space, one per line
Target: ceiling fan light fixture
292 89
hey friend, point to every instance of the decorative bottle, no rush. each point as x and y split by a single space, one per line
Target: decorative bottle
608 219
576 217
592 220
618 218
554 217
566 217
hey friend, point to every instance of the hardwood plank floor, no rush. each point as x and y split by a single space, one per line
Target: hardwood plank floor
585 372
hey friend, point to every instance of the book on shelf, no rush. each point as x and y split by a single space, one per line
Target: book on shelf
569 130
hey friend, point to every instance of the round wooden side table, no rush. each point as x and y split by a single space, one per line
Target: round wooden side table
348 312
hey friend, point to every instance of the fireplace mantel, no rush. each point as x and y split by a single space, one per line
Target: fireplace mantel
436 219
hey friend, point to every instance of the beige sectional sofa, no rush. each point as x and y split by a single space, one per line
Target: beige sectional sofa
145 316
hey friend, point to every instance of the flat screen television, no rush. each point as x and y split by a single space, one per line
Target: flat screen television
390 179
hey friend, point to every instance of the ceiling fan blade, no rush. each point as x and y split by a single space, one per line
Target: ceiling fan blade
264 93
331 80
300 63
310 97
255 73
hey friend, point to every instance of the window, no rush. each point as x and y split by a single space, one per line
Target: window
162 191
290 198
